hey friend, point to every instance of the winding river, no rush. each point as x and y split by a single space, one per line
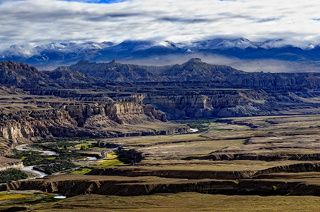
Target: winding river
30 169
26 148
37 174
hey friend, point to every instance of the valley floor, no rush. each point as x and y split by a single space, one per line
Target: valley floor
225 166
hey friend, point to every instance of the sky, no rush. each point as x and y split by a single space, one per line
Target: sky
42 21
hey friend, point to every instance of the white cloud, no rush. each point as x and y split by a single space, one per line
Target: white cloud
39 21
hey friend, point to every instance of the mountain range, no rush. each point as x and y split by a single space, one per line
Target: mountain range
66 53
192 72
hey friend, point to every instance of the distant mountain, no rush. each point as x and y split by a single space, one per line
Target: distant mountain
65 53
195 70
192 72
21 75
65 76
114 71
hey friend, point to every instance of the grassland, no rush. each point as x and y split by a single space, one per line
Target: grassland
183 202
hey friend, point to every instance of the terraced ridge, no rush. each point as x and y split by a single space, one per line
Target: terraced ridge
305 182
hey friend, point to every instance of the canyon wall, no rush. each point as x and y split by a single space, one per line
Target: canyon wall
221 103
77 119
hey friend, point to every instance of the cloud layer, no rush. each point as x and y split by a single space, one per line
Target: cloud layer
43 21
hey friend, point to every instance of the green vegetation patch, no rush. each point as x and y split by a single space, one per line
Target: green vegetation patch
14 196
57 166
29 158
110 161
83 146
82 171
12 175
47 164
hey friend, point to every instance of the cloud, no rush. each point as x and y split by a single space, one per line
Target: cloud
97 1
41 21
183 20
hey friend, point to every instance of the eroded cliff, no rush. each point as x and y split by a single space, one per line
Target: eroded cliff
37 119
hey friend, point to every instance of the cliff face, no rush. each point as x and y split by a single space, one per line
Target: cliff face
22 127
78 119
213 104
112 114
125 112
28 125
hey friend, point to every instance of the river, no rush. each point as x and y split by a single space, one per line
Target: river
37 174
26 148
30 169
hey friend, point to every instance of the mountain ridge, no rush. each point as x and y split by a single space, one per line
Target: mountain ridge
194 70
67 53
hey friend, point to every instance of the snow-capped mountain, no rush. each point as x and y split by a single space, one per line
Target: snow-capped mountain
59 53
72 46
63 47
19 50
220 43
